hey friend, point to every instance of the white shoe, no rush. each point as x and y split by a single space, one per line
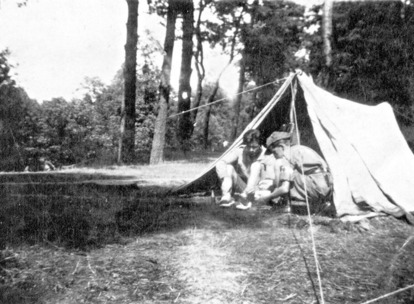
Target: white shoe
241 206
227 201
231 203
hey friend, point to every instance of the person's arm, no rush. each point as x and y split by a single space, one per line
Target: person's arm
279 191
285 177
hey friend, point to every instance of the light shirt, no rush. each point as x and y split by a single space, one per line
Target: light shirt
301 156
242 159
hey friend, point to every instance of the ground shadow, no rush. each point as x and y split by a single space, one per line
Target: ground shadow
86 211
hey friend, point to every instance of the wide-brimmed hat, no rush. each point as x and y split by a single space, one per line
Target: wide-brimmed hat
276 136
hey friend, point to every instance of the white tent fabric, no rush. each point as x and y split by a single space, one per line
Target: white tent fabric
368 156
371 163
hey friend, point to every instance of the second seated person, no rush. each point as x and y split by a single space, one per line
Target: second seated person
301 173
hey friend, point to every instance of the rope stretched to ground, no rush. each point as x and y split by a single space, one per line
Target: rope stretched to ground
315 255
403 115
219 100
389 294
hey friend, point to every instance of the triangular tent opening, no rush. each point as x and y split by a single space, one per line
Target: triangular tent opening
370 160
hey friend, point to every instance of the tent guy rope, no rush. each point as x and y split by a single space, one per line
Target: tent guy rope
403 115
389 294
219 100
311 229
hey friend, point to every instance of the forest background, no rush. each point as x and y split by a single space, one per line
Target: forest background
369 59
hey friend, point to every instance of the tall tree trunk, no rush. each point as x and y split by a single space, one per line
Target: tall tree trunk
327 31
158 142
326 76
184 88
252 113
199 64
208 112
237 103
126 147
217 83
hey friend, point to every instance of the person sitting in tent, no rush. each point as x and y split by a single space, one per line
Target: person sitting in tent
239 171
300 172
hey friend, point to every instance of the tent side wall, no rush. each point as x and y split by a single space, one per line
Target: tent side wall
356 140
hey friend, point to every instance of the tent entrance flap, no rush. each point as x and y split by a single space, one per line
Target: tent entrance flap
264 121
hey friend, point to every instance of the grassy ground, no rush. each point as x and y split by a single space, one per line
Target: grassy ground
188 250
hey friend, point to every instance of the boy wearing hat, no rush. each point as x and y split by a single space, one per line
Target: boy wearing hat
301 172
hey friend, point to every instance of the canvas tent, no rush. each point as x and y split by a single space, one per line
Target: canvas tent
370 161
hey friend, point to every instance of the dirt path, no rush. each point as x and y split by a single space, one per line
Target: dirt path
194 266
248 265
189 266
205 266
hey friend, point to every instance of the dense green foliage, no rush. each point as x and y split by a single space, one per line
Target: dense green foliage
83 131
270 42
372 61
17 124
